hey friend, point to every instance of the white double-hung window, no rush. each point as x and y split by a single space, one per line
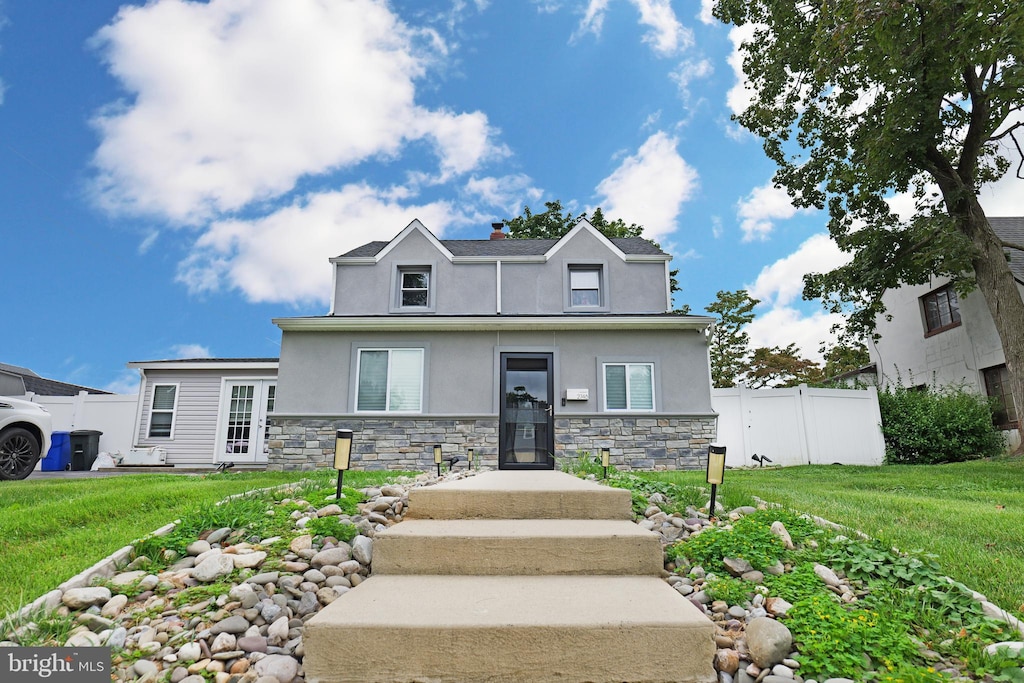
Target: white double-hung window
629 386
390 380
161 413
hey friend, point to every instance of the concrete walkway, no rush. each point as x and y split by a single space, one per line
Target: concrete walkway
513 576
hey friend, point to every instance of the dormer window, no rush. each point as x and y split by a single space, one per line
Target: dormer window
586 288
413 289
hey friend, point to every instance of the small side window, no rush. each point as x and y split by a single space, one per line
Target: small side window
941 310
413 289
161 414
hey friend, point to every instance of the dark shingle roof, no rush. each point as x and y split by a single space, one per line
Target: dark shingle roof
1012 230
46 387
511 247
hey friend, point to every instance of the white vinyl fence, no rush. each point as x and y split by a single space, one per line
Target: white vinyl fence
112 414
799 426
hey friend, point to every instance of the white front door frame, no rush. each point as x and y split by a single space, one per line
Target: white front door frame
242 419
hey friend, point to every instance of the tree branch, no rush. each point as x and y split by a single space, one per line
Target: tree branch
1008 131
975 138
1012 245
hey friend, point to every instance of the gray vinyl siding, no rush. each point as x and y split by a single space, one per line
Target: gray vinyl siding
195 421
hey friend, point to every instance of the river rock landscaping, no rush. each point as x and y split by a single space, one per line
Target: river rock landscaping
224 596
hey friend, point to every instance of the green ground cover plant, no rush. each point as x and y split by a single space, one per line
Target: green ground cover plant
969 515
902 610
51 529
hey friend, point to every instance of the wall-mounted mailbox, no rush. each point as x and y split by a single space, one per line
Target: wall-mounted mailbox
577 394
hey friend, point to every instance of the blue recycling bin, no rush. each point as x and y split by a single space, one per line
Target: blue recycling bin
58 457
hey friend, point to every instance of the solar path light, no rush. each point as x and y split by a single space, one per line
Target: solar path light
342 455
716 471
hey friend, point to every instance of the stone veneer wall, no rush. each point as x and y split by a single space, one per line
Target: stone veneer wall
636 443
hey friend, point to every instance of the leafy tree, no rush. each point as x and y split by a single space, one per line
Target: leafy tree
857 100
556 222
780 367
729 345
845 356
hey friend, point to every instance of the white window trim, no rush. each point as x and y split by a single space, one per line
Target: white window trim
604 298
387 395
628 408
173 411
402 267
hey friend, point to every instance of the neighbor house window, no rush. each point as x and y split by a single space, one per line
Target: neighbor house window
414 287
629 386
997 386
161 415
941 310
390 380
585 286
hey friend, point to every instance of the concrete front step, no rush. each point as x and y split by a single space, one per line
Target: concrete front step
517 547
461 629
506 494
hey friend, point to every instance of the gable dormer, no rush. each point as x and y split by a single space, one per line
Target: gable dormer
583 272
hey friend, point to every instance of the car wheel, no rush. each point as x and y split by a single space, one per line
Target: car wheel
19 452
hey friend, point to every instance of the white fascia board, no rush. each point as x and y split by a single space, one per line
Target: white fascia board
417 227
354 260
584 224
192 365
492 323
539 258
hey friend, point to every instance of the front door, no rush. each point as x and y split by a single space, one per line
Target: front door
526 416
242 433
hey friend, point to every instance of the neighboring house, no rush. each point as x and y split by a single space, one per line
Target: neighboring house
206 411
934 337
18 381
520 349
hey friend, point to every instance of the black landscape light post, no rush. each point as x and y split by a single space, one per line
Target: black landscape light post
606 455
716 471
469 456
342 455
437 458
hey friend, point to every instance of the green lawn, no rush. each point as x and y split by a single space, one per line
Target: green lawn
51 529
970 515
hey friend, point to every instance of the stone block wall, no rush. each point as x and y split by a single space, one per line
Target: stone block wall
655 443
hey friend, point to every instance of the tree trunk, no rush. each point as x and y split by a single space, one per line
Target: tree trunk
997 285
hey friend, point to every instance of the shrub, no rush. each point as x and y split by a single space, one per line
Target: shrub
933 426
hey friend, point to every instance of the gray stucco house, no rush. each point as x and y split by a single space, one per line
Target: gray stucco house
935 337
524 350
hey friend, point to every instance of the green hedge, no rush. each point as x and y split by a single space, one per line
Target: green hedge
934 426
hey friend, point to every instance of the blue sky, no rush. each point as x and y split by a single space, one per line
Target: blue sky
174 174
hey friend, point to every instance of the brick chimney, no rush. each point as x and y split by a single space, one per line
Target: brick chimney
497 234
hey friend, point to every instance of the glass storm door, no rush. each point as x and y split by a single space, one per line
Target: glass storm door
526 416
243 421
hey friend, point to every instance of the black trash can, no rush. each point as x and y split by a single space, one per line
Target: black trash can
85 446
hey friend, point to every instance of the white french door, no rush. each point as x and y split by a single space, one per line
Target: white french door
242 425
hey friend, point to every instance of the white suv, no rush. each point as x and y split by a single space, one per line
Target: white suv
24 437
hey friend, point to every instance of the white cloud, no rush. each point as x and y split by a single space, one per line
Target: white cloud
781 283
716 227
742 93
689 71
126 383
759 209
706 7
786 325
282 257
665 34
231 102
191 351
650 186
508 193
